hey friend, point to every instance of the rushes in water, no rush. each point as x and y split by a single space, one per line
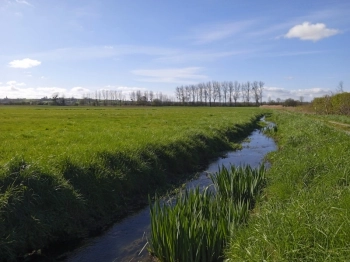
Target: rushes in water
195 225
239 183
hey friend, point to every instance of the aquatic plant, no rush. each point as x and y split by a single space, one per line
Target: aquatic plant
195 226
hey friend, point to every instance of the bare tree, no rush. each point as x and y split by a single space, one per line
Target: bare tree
248 91
244 92
255 89
216 91
225 88
193 93
151 96
201 89
209 90
132 96
230 91
301 99
340 88
261 87
236 92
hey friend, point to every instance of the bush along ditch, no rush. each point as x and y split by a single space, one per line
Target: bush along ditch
43 206
196 224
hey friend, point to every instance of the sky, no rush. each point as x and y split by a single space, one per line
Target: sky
74 47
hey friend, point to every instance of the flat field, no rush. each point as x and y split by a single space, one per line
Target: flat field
68 171
44 134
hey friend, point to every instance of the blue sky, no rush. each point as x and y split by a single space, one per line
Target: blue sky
73 47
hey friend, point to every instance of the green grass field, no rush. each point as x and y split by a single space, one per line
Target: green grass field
43 134
305 212
67 171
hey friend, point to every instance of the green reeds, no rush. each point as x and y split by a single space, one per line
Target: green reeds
195 226
239 183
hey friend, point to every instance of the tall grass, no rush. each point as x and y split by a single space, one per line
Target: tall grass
67 172
241 184
196 224
305 214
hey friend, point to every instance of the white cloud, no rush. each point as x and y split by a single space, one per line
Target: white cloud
15 83
308 94
13 89
24 63
312 32
79 89
173 75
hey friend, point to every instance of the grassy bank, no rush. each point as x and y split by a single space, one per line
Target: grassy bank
305 212
66 172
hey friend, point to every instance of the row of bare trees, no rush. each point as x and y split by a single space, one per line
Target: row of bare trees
209 93
118 97
223 93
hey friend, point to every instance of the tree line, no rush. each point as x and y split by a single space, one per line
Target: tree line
223 93
210 93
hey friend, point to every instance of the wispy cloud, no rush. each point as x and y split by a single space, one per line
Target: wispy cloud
104 51
24 2
201 56
24 63
172 75
215 32
312 32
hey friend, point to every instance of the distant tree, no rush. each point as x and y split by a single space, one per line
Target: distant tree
340 88
151 95
230 91
54 99
255 89
290 102
216 91
261 87
301 99
236 91
248 91
209 90
225 89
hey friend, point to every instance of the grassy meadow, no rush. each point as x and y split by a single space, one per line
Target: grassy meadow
304 214
68 171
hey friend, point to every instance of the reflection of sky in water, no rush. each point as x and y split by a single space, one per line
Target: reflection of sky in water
125 240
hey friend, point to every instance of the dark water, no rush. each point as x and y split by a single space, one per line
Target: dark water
125 240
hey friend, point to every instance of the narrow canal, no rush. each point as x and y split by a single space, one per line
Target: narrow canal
127 240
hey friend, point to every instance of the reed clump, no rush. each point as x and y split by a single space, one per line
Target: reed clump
196 224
